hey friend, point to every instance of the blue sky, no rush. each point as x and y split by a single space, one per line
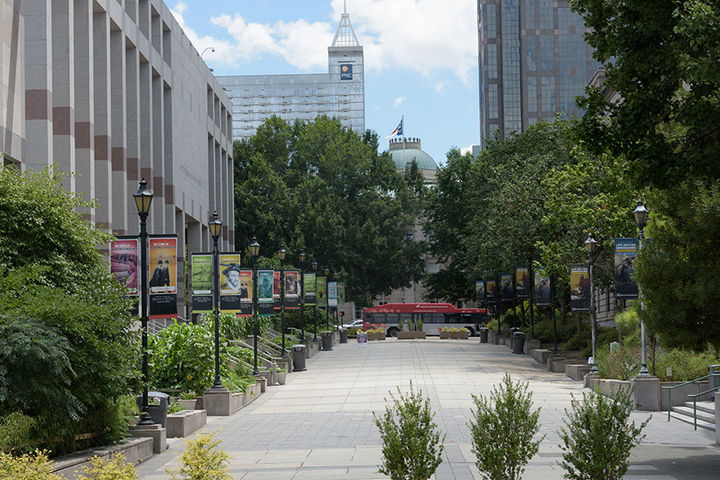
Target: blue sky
420 55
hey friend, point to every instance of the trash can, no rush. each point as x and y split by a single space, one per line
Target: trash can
327 340
484 334
714 380
299 357
518 341
343 335
158 406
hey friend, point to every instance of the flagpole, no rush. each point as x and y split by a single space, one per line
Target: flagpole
402 122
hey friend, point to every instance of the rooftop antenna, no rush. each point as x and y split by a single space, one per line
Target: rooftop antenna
345 33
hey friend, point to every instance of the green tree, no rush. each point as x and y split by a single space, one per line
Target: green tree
320 187
57 294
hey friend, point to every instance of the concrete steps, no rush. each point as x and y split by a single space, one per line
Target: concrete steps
705 414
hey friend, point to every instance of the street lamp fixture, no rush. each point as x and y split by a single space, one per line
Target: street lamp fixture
215 230
254 251
641 216
281 255
591 246
301 258
143 200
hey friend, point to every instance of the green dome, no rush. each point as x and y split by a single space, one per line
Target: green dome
411 151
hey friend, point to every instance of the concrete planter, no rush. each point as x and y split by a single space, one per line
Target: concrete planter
455 335
281 377
135 450
411 335
188 404
375 336
183 424
252 392
223 404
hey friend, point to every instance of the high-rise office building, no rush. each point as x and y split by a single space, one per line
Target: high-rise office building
339 93
533 63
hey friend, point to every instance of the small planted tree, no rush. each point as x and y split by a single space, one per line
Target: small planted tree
203 459
412 446
503 431
598 438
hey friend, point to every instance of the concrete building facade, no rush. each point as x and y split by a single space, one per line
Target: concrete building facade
533 62
340 93
114 91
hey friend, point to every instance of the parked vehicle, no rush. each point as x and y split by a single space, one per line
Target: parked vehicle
434 316
354 324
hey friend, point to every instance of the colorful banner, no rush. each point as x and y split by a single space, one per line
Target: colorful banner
266 298
231 288
522 283
321 291
542 288
341 293
292 297
246 292
276 289
491 294
163 279
480 291
506 287
201 282
124 262
625 253
332 291
309 287
579 288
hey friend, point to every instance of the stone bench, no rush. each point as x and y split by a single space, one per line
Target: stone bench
186 422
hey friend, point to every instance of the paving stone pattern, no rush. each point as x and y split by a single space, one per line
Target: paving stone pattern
320 425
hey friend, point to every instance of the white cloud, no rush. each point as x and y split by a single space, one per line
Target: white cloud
428 37
440 87
399 101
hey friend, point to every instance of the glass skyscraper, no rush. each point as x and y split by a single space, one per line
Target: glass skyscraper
339 93
533 62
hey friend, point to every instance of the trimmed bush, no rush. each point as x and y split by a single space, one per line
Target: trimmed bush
203 459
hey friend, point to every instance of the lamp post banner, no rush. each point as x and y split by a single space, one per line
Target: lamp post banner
579 288
626 250
491 294
123 262
480 291
163 279
265 292
246 287
230 283
309 289
522 283
332 294
292 298
201 282
506 287
542 288
321 291
276 289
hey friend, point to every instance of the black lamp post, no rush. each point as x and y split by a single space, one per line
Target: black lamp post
281 255
143 200
326 271
641 216
254 251
314 266
591 246
215 229
301 257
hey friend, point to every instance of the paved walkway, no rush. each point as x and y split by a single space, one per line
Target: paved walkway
320 425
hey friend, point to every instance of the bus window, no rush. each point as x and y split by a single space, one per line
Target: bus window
406 317
452 318
433 318
392 318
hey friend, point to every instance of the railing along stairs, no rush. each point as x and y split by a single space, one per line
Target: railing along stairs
707 409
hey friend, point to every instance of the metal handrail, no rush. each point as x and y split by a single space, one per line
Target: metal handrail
694 397
671 388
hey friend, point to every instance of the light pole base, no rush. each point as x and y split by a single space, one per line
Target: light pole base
646 394
217 389
145 419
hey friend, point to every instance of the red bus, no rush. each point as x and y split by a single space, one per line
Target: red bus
434 316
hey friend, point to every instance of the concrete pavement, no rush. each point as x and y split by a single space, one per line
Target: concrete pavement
320 425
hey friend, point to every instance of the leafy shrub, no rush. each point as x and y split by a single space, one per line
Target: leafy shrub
16 433
598 438
182 356
30 466
116 468
411 445
622 364
685 365
503 430
583 341
203 459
